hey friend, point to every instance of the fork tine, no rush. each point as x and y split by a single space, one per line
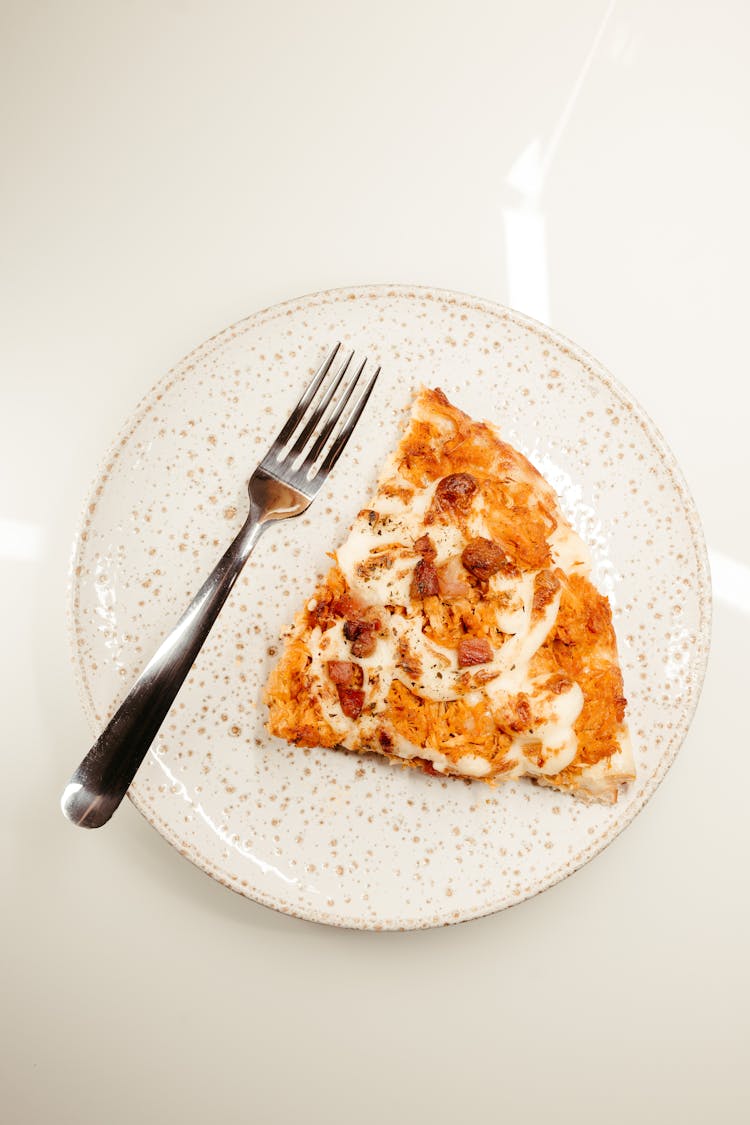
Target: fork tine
298 446
328 424
346 431
306 398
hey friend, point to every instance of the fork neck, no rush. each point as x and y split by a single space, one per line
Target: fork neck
249 533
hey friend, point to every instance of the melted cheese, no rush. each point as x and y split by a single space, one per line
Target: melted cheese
378 557
569 551
469 765
557 717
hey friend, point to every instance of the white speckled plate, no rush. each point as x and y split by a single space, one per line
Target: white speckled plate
323 834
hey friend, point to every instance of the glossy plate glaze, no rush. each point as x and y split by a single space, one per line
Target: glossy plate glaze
322 834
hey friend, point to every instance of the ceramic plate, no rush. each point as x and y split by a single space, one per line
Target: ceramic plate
326 835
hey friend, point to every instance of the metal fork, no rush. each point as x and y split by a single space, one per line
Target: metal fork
284 484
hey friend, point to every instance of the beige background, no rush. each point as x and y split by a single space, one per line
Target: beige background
168 168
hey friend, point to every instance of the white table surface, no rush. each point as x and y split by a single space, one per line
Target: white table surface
168 168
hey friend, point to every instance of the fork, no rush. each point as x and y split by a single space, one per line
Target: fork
284 484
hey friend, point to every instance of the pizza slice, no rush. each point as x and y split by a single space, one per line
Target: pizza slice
459 631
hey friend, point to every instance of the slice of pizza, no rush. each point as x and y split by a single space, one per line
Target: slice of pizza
458 630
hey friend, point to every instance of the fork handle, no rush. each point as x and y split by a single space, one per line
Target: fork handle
102 779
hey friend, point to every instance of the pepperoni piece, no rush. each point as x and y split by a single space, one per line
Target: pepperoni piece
345 673
425 547
424 583
352 701
361 633
456 491
483 558
473 650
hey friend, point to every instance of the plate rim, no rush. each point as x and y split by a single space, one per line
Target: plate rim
595 368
